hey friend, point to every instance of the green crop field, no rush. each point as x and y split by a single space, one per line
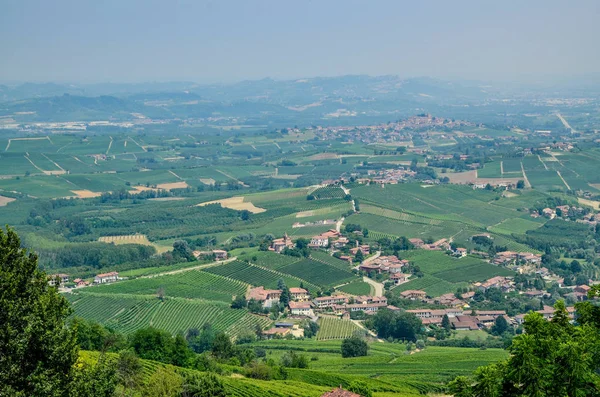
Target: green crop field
257 276
515 225
358 287
329 192
490 170
190 284
127 313
318 273
335 328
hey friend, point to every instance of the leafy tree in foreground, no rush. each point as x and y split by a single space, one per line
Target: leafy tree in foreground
552 358
354 347
37 350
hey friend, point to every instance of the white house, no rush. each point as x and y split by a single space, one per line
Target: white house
106 278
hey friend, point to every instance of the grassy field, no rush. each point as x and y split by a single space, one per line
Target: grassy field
358 287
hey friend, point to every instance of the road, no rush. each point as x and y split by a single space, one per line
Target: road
187 269
338 225
566 123
377 286
527 184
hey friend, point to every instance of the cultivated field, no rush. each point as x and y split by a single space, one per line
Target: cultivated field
236 203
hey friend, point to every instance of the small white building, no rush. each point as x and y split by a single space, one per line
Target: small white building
106 278
301 308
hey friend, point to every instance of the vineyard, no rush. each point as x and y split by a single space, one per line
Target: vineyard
318 273
255 275
330 260
357 287
335 328
127 313
329 192
193 284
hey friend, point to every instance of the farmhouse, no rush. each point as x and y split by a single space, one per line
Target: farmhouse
370 299
365 249
220 254
399 278
280 244
329 301
413 294
299 294
417 242
106 278
267 296
322 240
503 283
361 307
460 252
301 308
63 278
276 332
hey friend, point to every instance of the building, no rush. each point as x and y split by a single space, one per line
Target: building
106 278
399 278
460 252
299 294
330 301
364 249
417 242
280 244
339 392
266 296
276 332
63 278
220 254
301 308
413 294
322 240
361 307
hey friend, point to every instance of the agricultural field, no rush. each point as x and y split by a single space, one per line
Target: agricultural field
328 192
193 284
444 274
335 328
318 273
358 287
127 313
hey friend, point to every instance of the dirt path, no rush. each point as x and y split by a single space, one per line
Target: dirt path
361 326
542 161
345 189
141 147
32 163
175 175
527 184
109 144
378 287
563 179
502 168
187 269
338 225
53 162
566 123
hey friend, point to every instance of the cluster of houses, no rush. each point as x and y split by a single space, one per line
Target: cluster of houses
102 278
390 176
323 240
440 245
387 264
507 258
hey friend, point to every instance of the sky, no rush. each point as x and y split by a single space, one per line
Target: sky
95 41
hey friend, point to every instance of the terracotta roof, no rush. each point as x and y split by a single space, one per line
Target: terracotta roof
339 392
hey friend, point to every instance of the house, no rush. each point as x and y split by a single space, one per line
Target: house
460 252
500 282
417 242
329 301
340 242
339 392
220 254
301 308
464 323
267 296
491 313
370 267
106 278
399 278
364 249
319 242
276 332
413 294
364 307
63 278
299 294
370 299
278 245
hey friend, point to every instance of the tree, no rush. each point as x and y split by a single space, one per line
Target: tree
222 348
521 184
97 380
354 347
129 370
37 351
163 383
552 358
201 341
500 326
206 385
239 302
446 323
152 344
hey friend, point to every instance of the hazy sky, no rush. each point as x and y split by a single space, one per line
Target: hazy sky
221 40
